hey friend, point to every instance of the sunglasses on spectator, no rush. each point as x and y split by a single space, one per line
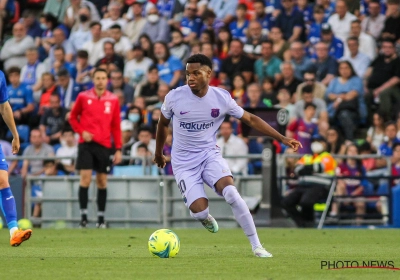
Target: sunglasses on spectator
191 9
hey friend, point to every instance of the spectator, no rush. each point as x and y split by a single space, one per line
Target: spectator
240 25
13 51
156 27
94 47
395 164
111 59
81 34
310 79
368 163
49 87
280 45
147 46
326 65
144 137
288 81
56 8
150 87
117 83
135 25
391 29
351 186
167 154
69 148
190 24
306 9
314 32
50 168
386 148
341 21
223 42
376 133
208 50
83 68
145 155
236 62
135 116
268 66
300 62
291 22
382 80
329 8
67 89
265 19
254 97
61 63
343 95
336 47
224 9
127 140
374 23
115 11
72 16
232 145
359 60
37 148
269 95
335 142
304 129
210 22
135 70
61 41
20 97
122 45
32 25
239 89
162 91
178 46
53 121
320 116
312 186
207 36
252 46
32 71
155 116
49 23
169 67
367 44
284 99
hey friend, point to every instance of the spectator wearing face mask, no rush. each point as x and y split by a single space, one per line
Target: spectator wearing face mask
156 27
134 115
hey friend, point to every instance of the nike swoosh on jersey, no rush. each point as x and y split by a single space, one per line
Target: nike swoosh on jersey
182 113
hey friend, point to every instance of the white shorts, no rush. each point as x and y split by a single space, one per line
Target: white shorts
191 181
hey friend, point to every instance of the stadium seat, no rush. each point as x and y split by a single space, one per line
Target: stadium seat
133 170
23 131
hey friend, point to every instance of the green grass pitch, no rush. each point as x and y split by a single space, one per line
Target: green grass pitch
122 254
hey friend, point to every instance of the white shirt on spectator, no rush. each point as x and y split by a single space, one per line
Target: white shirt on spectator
367 46
13 52
377 139
66 151
360 63
235 146
374 26
341 27
95 50
106 23
136 71
40 69
151 147
123 46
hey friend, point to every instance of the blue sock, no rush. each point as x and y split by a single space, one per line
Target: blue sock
7 204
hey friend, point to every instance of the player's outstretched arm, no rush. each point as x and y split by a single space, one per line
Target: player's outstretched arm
161 136
257 123
7 114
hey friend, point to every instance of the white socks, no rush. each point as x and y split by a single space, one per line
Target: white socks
12 230
242 214
200 216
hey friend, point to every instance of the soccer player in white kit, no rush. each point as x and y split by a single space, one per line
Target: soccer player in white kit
197 111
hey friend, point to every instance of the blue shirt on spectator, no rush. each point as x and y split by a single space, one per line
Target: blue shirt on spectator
70 67
329 11
307 13
328 66
3 88
223 8
35 30
364 7
314 34
385 149
19 97
336 48
165 8
239 32
166 70
191 25
266 23
286 22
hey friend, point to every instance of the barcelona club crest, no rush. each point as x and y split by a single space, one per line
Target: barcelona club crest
214 113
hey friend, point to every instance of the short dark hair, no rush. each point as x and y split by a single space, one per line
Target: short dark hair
310 70
259 2
63 73
142 145
241 6
99 70
200 58
267 41
59 48
67 128
307 89
47 161
82 54
318 9
152 67
388 40
356 21
13 69
395 145
309 104
94 23
116 26
145 128
55 94
389 123
353 38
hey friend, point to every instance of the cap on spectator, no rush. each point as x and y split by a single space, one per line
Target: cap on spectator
326 28
318 138
126 125
137 47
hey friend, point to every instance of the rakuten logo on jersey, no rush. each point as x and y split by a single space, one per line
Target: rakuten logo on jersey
192 126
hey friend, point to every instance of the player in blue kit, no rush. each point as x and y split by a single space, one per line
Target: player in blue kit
7 201
197 111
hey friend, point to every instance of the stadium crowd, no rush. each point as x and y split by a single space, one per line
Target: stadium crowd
333 65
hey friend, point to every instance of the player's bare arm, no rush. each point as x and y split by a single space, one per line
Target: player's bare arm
161 136
257 123
8 117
